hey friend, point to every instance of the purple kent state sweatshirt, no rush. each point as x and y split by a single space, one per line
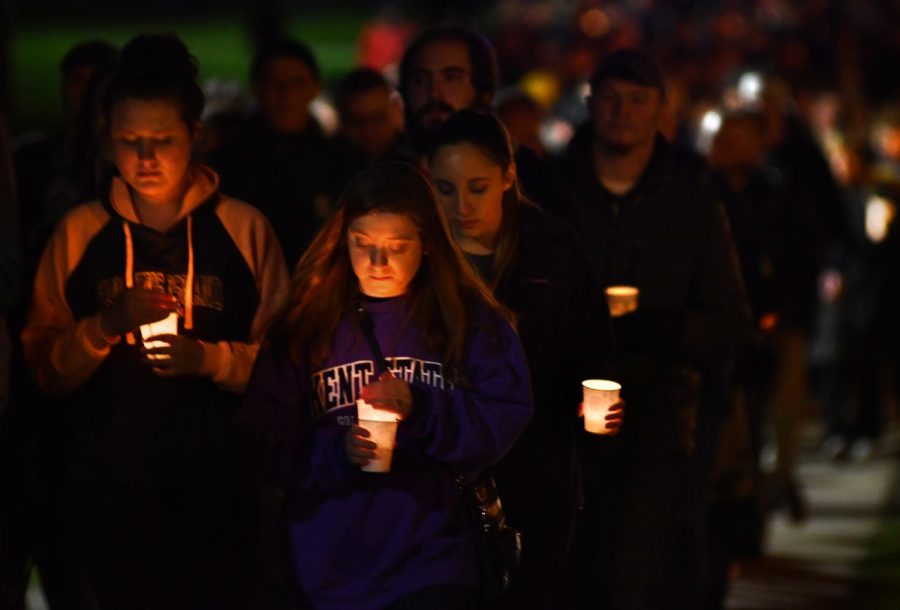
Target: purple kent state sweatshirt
363 540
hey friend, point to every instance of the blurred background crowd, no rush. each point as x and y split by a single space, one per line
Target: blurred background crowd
792 105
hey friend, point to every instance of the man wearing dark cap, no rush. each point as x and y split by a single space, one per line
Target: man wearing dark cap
649 221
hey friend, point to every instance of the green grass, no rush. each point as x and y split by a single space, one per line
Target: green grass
220 44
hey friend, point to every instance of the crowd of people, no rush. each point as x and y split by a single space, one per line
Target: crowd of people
432 260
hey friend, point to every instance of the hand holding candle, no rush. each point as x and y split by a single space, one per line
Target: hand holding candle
380 426
602 408
389 393
134 307
360 450
173 355
152 333
615 417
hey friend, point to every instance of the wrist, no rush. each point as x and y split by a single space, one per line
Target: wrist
94 338
107 329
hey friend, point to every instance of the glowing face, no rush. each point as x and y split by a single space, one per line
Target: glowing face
626 115
152 147
385 252
440 83
285 88
470 187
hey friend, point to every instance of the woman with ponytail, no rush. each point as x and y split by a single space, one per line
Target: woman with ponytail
536 267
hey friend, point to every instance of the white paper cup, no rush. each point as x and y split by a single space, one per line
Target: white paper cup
166 326
622 300
382 427
599 396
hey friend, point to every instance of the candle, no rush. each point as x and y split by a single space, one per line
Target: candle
599 396
622 300
382 427
166 326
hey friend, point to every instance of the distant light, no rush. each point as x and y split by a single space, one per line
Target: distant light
543 86
326 114
711 122
584 91
594 23
880 214
555 134
750 87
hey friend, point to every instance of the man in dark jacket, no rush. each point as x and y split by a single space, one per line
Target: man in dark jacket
649 221
371 115
282 162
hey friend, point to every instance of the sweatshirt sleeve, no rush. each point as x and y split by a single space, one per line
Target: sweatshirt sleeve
469 428
62 353
290 450
229 363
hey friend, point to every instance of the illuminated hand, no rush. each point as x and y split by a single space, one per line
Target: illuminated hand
617 309
359 450
179 356
614 417
133 307
390 394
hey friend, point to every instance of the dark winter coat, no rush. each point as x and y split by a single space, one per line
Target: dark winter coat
564 325
669 237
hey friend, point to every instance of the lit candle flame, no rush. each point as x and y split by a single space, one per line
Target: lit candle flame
879 215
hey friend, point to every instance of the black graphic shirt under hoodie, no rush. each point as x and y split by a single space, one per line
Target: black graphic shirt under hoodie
222 263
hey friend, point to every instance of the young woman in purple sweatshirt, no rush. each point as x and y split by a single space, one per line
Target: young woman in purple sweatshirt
456 377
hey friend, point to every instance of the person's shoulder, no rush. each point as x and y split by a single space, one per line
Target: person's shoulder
688 179
85 216
538 228
233 206
234 212
484 315
77 230
247 225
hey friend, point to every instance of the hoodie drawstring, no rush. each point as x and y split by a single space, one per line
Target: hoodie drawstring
129 269
189 280
189 289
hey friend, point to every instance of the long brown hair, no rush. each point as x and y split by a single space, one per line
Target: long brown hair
486 133
324 288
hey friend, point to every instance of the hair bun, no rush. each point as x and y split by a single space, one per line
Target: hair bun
153 66
158 55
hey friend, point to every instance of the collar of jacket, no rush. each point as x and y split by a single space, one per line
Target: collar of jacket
580 155
204 185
